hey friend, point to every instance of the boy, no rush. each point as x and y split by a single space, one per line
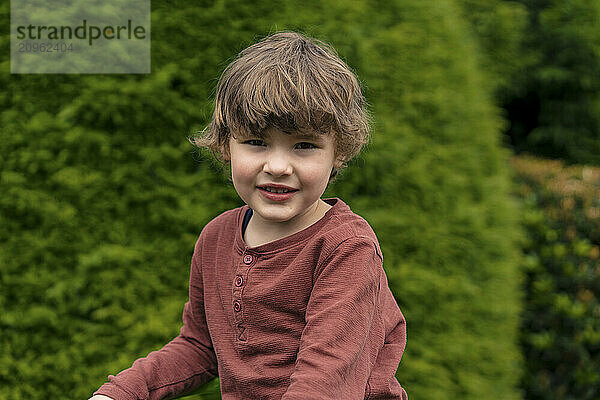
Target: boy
288 296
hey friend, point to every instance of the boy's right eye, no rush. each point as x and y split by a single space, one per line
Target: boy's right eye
255 142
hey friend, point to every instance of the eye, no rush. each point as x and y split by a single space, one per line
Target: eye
305 146
255 142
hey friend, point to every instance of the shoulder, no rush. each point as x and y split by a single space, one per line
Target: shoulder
345 230
345 227
228 217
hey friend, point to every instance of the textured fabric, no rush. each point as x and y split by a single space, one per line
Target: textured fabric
308 316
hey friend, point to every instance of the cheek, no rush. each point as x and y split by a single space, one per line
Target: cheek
317 176
242 171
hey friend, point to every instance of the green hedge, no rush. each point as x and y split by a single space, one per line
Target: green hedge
102 198
561 322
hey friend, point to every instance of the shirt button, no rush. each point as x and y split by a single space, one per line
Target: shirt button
239 281
248 259
237 306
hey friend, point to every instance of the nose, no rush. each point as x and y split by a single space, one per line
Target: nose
277 163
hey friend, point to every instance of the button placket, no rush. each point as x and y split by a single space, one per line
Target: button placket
238 285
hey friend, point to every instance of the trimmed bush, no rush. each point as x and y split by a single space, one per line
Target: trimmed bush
561 322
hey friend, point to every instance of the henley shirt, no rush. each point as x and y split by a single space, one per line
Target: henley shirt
307 316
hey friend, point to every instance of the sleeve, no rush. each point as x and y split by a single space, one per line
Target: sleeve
181 366
343 331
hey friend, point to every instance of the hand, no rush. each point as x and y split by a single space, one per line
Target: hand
100 397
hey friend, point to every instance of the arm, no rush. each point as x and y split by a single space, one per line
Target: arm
344 331
182 365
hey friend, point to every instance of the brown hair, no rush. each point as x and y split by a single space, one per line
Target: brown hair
292 83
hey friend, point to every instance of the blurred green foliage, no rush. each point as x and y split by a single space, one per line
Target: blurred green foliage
501 30
561 323
547 54
543 58
102 197
568 35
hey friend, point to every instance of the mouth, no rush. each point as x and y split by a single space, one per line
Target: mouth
277 189
277 193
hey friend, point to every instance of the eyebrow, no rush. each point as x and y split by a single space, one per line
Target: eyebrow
307 136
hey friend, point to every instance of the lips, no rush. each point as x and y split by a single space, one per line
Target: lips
276 192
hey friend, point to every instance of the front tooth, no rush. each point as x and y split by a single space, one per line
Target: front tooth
274 190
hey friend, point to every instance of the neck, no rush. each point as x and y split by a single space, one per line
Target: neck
259 232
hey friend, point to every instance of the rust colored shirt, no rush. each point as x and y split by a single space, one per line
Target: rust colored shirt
307 316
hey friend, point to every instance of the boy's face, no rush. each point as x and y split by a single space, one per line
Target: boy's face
299 166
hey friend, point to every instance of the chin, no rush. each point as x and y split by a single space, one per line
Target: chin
276 217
